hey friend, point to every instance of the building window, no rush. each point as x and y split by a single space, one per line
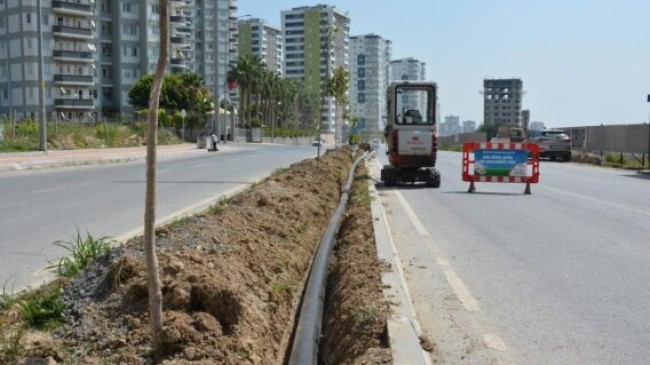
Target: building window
126 7
361 72
361 98
361 59
361 85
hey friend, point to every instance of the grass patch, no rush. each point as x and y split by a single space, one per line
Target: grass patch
279 171
178 222
11 343
83 251
280 290
42 308
223 202
365 315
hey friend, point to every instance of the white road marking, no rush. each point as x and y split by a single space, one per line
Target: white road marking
160 172
64 187
461 291
495 342
598 201
457 285
203 164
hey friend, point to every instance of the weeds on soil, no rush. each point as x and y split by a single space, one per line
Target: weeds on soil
42 309
11 344
83 251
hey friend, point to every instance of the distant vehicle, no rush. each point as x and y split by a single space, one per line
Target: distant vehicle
552 143
316 143
509 134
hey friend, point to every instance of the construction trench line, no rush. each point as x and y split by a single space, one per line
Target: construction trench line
304 348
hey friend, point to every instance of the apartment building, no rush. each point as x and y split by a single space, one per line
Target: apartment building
94 51
258 38
413 70
370 56
502 102
309 31
468 126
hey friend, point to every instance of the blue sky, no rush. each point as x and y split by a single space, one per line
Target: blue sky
582 62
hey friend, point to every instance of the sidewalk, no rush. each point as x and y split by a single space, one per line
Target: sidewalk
56 158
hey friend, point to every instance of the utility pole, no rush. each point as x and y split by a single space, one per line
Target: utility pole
326 55
41 81
649 134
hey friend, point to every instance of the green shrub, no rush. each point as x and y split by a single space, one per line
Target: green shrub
83 251
42 308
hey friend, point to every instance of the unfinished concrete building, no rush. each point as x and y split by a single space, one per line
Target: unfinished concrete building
502 102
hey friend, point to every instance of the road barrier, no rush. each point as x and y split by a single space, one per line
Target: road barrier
500 162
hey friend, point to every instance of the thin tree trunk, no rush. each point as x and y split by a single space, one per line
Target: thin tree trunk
153 277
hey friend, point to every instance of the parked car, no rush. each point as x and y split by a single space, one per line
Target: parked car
316 143
553 143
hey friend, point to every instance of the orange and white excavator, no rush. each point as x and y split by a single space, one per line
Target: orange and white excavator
411 134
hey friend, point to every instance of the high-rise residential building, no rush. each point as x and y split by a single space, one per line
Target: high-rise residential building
413 70
94 51
450 126
408 69
308 32
537 126
258 38
469 126
502 102
370 56
525 118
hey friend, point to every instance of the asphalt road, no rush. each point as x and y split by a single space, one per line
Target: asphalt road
40 207
557 277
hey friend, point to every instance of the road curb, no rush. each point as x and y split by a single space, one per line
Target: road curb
403 327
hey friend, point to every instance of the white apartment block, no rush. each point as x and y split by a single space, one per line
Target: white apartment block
258 38
94 51
308 32
413 70
370 56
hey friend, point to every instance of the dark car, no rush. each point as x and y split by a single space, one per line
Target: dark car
552 143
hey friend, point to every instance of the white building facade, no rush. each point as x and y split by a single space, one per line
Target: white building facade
370 56
413 70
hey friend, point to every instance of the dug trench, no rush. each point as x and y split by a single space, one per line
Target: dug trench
232 278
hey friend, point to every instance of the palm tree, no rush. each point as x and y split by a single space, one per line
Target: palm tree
247 72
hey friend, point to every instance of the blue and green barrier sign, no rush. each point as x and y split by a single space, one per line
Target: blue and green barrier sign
500 162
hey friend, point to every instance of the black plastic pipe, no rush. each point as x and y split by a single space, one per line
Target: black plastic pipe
304 349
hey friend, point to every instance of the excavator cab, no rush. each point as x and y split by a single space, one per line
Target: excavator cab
411 133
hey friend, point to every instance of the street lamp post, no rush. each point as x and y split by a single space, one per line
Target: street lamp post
326 55
41 82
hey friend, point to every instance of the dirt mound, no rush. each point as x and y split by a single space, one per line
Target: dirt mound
231 280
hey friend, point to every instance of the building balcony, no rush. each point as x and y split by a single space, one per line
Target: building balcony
72 56
72 8
62 79
179 39
72 32
178 62
177 19
70 103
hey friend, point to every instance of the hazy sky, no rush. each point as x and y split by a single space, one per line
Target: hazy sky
582 62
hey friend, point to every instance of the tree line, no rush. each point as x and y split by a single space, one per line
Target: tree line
265 98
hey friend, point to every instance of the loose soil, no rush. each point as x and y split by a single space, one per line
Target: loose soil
232 278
